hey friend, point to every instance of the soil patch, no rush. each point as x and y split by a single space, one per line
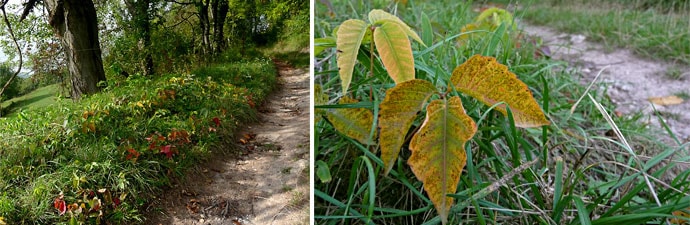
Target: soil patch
268 183
631 82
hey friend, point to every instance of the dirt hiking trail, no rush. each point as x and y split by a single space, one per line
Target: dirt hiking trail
268 183
632 82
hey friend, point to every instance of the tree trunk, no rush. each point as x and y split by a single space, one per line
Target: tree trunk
205 25
75 23
220 12
139 9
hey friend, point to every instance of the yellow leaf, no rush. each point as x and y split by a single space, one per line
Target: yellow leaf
2 221
438 151
666 100
354 122
319 99
397 112
680 213
395 51
377 16
486 23
92 127
495 17
490 82
350 35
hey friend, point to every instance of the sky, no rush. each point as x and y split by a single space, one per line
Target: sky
3 29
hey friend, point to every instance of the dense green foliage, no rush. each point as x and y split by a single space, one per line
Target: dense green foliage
113 140
13 89
567 173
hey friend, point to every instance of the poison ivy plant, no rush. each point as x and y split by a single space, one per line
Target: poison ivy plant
490 20
390 36
438 145
490 82
353 122
319 99
438 148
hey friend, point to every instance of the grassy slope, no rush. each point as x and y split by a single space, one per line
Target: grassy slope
591 176
38 98
649 32
116 140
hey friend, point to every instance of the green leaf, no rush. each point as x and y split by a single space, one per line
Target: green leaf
353 122
321 44
438 151
496 16
582 211
395 51
323 172
378 16
427 30
495 40
349 38
397 112
490 82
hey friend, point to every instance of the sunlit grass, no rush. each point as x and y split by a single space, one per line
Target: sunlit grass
649 31
36 99
577 170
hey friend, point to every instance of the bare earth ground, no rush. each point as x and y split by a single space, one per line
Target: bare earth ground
268 183
630 80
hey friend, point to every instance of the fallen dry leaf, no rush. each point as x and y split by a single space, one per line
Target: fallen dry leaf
666 100
618 113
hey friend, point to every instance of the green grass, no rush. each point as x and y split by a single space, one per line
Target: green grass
292 51
111 146
649 31
36 99
574 171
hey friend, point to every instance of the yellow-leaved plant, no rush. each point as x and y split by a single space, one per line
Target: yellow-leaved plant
438 148
490 20
438 145
390 36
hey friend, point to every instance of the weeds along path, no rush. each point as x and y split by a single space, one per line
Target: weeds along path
631 81
268 183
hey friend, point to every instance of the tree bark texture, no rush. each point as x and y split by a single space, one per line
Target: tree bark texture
139 9
220 12
76 24
205 25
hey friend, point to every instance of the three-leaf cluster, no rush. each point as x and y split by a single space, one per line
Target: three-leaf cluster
438 146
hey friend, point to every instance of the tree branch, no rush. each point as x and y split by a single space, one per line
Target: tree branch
181 3
181 21
19 50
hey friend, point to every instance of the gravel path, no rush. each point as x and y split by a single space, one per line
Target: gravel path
268 183
631 80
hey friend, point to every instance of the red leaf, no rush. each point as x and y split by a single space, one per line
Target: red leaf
116 202
172 135
250 101
60 205
185 136
216 121
168 150
132 154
